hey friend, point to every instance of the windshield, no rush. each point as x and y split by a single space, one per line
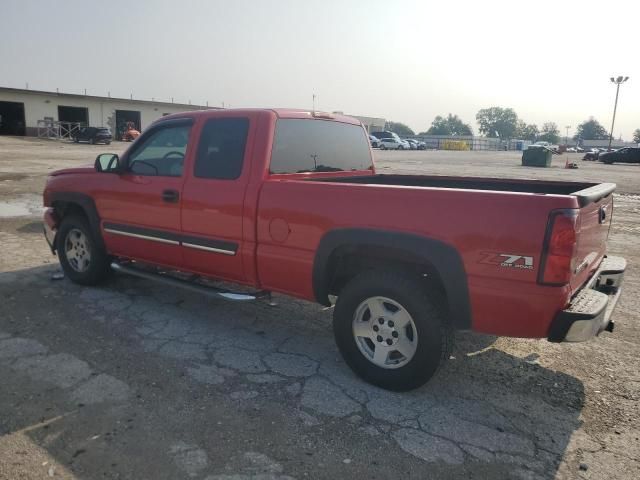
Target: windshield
305 145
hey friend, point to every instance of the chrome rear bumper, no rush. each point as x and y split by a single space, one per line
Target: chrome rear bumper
589 312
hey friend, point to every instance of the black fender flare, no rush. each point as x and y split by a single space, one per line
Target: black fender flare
444 258
87 204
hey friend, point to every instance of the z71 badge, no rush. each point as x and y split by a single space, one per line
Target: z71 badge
508 260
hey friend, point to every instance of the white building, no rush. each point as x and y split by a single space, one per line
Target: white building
20 110
372 124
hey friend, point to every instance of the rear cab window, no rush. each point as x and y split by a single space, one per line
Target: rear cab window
311 145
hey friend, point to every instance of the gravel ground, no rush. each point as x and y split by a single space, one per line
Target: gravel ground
134 380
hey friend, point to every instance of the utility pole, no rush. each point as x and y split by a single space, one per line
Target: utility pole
566 139
618 81
313 108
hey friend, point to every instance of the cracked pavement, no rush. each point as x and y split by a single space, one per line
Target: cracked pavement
138 380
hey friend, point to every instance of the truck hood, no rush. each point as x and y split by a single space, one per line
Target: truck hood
81 169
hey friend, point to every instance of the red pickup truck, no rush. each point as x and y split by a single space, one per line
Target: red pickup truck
289 201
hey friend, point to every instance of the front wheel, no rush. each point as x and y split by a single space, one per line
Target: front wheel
383 147
389 331
82 258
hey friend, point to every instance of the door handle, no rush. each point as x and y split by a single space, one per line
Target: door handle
170 196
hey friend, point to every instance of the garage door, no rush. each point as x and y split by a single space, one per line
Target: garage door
12 118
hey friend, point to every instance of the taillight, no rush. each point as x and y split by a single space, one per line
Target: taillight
559 248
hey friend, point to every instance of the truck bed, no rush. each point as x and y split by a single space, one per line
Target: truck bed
584 191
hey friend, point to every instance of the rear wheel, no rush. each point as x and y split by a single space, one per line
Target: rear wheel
389 331
83 260
383 147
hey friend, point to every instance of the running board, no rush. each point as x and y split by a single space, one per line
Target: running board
189 285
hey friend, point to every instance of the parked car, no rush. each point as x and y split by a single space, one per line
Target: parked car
416 144
375 143
592 155
385 134
278 201
93 135
623 155
393 144
549 145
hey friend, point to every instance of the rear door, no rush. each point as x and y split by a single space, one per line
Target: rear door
214 196
140 209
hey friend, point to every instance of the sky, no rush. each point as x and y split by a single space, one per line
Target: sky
406 61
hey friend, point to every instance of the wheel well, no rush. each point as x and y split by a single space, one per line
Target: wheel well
63 209
81 205
348 261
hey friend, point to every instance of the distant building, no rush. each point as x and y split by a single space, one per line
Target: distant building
21 110
372 124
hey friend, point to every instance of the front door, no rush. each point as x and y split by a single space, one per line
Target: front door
140 210
213 200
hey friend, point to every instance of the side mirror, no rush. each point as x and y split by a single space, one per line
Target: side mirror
107 163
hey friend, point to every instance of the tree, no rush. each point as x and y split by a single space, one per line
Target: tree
451 125
527 131
399 128
636 135
550 133
591 130
497 122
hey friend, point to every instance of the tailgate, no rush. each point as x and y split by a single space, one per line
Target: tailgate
594 221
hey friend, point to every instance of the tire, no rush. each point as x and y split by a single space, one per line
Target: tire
82 259
426 347
400 147
92 141
383 147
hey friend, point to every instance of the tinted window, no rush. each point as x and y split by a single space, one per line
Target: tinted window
161 153
319 146
221 148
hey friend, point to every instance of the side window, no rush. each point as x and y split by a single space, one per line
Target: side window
221 148
161 153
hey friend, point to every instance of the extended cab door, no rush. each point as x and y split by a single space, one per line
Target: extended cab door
140 208
213 200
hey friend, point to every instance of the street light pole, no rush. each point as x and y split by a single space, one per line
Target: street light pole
566 139
618 81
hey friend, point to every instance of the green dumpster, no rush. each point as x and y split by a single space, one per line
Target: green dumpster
537 157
